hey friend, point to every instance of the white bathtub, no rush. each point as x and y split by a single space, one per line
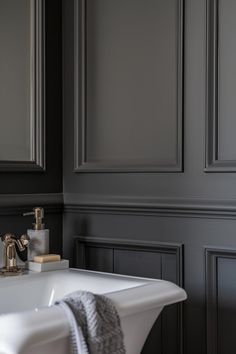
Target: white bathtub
30 325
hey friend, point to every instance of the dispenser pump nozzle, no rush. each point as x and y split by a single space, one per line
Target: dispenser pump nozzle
38 215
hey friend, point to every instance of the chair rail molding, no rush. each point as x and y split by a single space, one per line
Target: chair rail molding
14 204
184 207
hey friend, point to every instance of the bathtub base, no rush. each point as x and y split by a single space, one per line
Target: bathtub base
136 329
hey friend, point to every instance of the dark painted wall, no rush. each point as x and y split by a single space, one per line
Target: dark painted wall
195 207
49 181
194 182
20 191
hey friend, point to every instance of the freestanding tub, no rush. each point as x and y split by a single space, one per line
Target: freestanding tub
29 324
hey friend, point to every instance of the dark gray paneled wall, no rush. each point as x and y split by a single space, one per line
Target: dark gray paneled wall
145 259
20 191
220 296
220 148
123 99
195 233
193 182
15 50
49 181
194 208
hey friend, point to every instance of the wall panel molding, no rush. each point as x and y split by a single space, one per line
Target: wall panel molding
115 249
189 207
213 162
37 94
126 244
81 163
212 257
15 204
76 203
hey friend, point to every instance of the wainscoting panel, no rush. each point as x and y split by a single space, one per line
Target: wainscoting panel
221 56
221 304
141 263
100 259
125 76
145 259
30 108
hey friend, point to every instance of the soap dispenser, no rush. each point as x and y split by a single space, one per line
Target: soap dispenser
39 236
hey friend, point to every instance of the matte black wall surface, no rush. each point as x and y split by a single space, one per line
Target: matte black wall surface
194 207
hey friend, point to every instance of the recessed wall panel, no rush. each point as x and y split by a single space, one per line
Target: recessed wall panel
145 259
15 80
221 307
130 102
227 80
22 103
221 76
226 305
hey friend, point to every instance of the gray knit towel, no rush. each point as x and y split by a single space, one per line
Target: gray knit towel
94 324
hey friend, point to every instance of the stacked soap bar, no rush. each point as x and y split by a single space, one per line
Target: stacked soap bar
44 258
48 262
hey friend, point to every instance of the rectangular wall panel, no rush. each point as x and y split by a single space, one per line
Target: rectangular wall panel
98 258
220 299
144 259
137 263
221 86
128 99
22 91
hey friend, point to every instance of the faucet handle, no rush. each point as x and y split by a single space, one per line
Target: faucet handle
7 238
23 242
25 239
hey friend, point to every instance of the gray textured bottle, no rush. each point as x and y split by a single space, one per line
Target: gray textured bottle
39 236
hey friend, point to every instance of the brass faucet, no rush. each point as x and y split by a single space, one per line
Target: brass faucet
10 243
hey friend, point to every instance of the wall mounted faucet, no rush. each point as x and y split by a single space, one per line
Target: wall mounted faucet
11 245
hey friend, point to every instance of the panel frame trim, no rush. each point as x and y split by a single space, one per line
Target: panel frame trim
128 244
176 249
37 95
80 89
211 285
212 161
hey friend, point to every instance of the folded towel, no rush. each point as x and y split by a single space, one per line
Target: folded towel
94 324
